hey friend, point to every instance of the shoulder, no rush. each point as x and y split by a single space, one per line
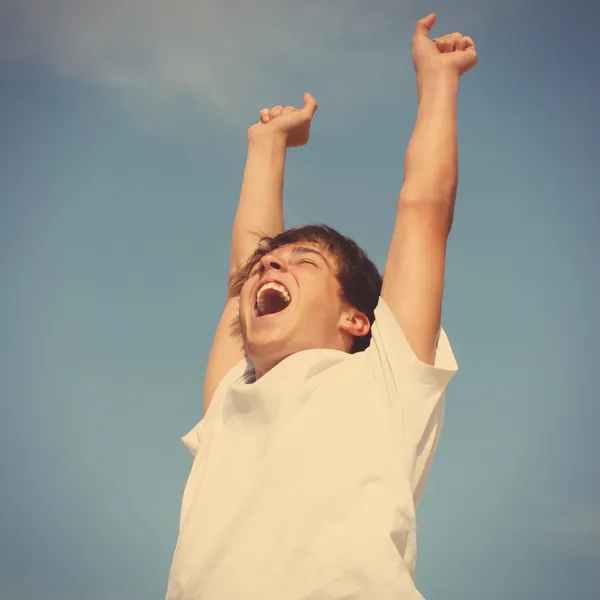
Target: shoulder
387 334
242 371
393 359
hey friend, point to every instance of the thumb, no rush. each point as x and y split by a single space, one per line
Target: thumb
310 104
425 24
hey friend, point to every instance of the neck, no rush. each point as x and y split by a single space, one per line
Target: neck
262 366
263 363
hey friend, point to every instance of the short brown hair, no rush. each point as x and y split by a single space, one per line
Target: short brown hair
360 281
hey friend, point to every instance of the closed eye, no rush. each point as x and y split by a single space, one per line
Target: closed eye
307 260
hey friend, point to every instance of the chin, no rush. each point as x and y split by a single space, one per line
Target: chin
267 344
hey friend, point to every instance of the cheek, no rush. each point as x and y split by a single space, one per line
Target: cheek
245 294
322 295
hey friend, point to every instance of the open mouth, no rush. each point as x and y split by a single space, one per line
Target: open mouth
271 298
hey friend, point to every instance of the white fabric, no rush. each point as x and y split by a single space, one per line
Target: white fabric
305 482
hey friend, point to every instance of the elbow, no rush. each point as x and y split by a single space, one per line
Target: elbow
433 183
439 194
434 211
434 199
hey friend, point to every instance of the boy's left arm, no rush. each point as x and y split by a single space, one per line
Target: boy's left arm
414 274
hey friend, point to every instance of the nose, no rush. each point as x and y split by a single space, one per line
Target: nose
270 261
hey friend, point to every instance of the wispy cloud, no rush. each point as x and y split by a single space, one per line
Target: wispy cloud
219 54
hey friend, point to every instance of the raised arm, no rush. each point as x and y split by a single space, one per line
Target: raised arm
260 211
414 274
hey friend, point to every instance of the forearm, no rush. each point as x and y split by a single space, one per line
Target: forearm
431 163
260 208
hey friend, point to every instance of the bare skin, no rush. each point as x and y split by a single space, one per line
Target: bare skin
260 208
414 273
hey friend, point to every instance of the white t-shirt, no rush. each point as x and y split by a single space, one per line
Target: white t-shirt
305 482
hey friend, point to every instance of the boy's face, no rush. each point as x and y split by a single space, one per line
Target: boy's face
291 302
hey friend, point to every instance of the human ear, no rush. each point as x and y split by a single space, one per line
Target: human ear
355 323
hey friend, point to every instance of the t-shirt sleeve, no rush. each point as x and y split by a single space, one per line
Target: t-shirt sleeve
414 389
194 438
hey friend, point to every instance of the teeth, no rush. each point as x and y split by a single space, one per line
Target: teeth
271 285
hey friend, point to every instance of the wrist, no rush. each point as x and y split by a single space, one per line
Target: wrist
437 81
261 137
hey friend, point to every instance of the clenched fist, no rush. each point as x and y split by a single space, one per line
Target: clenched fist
291 123
453 52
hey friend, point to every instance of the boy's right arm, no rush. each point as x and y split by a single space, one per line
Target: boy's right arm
260 210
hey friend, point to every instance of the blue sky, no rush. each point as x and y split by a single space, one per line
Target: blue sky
121 154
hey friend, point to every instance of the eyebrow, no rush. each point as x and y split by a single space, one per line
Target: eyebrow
309 250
